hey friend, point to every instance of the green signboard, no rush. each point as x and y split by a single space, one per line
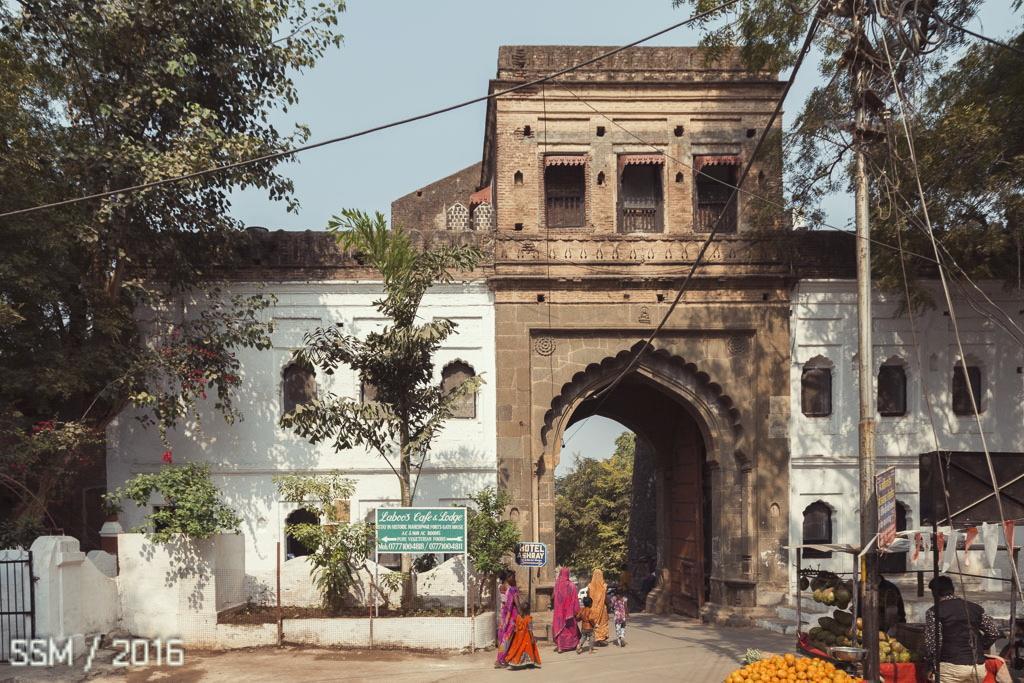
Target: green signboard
421 530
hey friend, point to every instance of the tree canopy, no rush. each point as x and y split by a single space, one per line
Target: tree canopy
592 506
963 107
98 96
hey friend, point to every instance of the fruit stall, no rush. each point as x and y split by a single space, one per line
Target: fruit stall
837 638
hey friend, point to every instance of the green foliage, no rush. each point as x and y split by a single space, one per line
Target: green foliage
491 535
592 506
969 139
410 408
191 503
337 549
966 122
98 96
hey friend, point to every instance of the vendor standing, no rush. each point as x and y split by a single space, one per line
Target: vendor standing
957 633
890 605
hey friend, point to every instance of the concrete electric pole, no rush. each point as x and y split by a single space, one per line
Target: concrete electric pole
865 360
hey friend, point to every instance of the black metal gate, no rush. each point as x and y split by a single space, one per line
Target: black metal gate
17 600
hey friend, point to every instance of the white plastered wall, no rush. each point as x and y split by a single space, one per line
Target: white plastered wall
245 456
823 450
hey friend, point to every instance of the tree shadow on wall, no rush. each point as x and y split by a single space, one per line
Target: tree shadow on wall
185 564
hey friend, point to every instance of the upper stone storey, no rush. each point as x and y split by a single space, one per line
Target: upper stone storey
648 142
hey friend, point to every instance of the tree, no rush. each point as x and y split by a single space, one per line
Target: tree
337 549
592 509
492 536
965 123
969 135
409 406
101 96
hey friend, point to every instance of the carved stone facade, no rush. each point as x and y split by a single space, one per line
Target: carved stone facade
579 281
572 305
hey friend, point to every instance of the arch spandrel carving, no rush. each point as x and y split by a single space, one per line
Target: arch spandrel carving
715 411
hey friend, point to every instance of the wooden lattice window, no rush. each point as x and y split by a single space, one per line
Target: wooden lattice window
961 392
816 388
565 191
817 529
714 182
641 195
452 376
298 386
892 390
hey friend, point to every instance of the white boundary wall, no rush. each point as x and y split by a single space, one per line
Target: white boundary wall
73 598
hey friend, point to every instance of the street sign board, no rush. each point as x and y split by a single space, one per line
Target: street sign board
885 491
531 554
421 530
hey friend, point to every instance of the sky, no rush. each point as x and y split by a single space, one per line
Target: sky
403 58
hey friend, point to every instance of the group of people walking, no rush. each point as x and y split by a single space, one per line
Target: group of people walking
580 619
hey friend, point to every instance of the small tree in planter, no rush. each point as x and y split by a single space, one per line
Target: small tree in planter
192 505
337 549
408 408
491 536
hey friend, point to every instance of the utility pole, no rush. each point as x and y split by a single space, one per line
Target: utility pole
865 359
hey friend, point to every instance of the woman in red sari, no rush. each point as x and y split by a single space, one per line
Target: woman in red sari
522 651
567 603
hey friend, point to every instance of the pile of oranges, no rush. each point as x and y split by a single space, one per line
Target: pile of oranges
789 667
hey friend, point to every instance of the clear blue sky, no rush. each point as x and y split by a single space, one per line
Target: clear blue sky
403 58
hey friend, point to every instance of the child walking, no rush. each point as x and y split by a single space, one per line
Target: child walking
586 618
620 610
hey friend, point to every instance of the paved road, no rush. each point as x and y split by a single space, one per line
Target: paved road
658 648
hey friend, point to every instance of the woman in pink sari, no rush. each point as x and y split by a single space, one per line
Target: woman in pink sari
507 622
567 604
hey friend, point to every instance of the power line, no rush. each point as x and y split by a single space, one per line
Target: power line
648 343
952 313
992 41
726 183
384 126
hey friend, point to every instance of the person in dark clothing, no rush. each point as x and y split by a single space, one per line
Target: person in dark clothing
890 605
957 633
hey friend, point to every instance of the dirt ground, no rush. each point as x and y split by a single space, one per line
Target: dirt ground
657 648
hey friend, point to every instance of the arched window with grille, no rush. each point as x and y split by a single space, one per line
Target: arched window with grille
892 388
816 387
452 376
298 386
817 529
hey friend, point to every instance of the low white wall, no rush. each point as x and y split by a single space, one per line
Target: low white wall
173 590
442 585
427 633
73 597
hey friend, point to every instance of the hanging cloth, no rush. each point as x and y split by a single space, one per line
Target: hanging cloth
972 533
990 539
949 553
1008 528
918 546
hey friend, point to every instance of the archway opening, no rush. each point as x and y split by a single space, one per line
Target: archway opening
293 546
645 508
